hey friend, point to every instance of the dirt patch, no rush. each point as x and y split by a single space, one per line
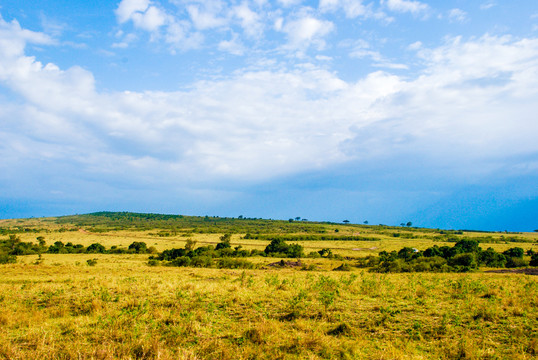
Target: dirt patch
283 263
365 249
526 271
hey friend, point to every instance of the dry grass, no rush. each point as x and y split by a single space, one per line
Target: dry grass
123 309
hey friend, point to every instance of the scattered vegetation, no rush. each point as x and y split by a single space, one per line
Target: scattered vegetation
221 288
465 256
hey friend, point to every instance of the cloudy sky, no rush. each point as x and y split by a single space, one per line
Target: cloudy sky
385 110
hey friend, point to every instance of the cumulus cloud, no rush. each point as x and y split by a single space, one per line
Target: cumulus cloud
250 20
127 8
142 14
307 30
471 106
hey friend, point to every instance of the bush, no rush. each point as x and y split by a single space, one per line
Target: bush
492 258
515 252
467 246
466 261
231 263
278 247
181 261
91 262
534 260
514 262
7 259
343 267
201 261
96 248
139 247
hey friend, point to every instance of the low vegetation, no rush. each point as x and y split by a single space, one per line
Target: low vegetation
465 256
149 286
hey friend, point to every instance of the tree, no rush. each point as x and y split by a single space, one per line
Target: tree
406 253
224 242
467 246
346 221
279 246
96 248
190 244
515 252
534 260
297 218
41 241
365 222
409 223
139 247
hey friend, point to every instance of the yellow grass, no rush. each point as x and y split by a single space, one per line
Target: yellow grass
123 309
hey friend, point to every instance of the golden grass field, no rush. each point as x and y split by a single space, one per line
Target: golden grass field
121 308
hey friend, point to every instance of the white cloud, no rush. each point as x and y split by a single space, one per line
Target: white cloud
361 49
127 8
233 46
414 7
415 46
457 15
487 5
352 8
13 38
151 20
473 101
306 31
288 3
208 14
250 20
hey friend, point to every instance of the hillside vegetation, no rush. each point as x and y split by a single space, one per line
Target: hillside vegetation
150 286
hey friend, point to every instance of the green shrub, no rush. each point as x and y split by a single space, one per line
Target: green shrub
231 263
7 259
534 260
138 247
96 248
343 267
514 262
515 252
91 262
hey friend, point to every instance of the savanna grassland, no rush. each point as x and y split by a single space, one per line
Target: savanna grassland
116 306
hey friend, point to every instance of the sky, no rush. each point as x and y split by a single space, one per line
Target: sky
384 111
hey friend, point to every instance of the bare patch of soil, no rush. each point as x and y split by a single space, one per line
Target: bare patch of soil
283 263
527 271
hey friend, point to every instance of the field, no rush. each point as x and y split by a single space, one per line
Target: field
58 307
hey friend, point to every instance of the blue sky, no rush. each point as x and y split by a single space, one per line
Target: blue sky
387 111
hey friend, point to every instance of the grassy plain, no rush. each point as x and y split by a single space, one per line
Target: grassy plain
121 308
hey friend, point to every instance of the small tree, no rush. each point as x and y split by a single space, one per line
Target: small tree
515 252
224 242
41 241
139 247
190 244
96 248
